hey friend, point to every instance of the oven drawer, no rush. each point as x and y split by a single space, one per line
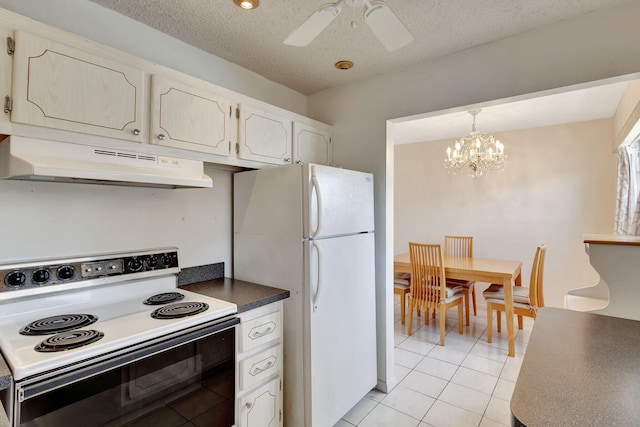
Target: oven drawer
258 331
256 368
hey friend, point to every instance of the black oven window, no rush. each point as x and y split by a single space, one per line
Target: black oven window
191 385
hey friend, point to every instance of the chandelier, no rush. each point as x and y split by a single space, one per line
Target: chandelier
476 153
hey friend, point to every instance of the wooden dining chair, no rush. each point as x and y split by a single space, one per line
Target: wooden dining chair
462 246
401 288
428 288
526 301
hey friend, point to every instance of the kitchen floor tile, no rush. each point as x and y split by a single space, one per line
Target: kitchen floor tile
407 358
465 398
443 414
468 382
424 383
358 412
437 368
475 380
409 402
482 364
498 410
504 389
384 416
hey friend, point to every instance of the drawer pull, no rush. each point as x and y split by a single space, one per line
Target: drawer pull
268 364
256 333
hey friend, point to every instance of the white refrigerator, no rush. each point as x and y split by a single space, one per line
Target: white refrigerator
310 229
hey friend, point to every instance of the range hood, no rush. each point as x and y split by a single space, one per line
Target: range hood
33 159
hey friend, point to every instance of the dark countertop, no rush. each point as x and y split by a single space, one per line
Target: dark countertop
245 295
579 369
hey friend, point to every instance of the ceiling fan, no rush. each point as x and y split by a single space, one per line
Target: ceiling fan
382 21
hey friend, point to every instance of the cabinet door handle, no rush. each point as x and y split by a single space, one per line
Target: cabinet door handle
256 333
287 160
136 131
248 405
256 370
161 137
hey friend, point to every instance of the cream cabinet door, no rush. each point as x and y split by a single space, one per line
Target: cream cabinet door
58 86
262 407
311 144
264 136
189 118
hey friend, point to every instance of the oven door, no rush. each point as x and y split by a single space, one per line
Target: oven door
188 379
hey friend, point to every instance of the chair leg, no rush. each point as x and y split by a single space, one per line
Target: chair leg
520 326
489 321
426 315
466 305
473 293
499 316
443 312
460 327
402 307
433 315
411 304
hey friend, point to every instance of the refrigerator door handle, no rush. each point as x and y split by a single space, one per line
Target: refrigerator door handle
316 187
314 300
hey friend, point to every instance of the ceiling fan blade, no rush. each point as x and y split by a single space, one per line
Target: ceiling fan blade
386 26
314 25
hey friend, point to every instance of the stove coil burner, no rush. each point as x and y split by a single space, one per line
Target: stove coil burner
179 309
163 298
68 340
57 324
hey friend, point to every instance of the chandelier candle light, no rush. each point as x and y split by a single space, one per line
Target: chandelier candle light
476 153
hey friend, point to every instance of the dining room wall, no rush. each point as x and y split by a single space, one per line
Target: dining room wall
559 182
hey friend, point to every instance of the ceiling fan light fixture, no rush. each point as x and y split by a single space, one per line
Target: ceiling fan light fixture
386 25
247 4
344 65
314 25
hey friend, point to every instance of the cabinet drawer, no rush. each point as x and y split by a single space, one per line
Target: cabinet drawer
260 330
261 366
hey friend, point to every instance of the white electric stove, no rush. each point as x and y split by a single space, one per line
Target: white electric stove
66 321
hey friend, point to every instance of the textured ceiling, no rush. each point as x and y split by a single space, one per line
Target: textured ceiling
253 39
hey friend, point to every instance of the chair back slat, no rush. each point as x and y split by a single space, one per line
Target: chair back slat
461 246
428 283
536 283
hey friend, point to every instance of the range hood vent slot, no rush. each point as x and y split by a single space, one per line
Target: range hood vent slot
36 159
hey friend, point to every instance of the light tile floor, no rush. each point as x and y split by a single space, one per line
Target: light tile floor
468 382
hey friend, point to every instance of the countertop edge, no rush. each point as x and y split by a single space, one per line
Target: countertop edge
246 295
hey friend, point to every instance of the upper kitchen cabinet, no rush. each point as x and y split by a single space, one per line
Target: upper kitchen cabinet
58 86
312 143
189 118
264 136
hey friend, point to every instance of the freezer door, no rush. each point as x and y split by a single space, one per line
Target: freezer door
340 339
337 201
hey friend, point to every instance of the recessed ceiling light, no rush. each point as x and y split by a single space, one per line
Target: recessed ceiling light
344 65
247 4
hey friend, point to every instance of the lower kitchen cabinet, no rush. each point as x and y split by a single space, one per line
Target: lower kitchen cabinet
262 407
259 367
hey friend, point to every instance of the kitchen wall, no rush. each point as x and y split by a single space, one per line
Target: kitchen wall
558 183
574 52
43 219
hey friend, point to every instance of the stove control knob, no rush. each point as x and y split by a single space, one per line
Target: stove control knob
135 264
41 276
166 260
152 261
15 279
66 272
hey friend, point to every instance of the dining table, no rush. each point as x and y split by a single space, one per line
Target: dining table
489 270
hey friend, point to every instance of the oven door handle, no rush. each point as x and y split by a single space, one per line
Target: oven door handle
122 357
